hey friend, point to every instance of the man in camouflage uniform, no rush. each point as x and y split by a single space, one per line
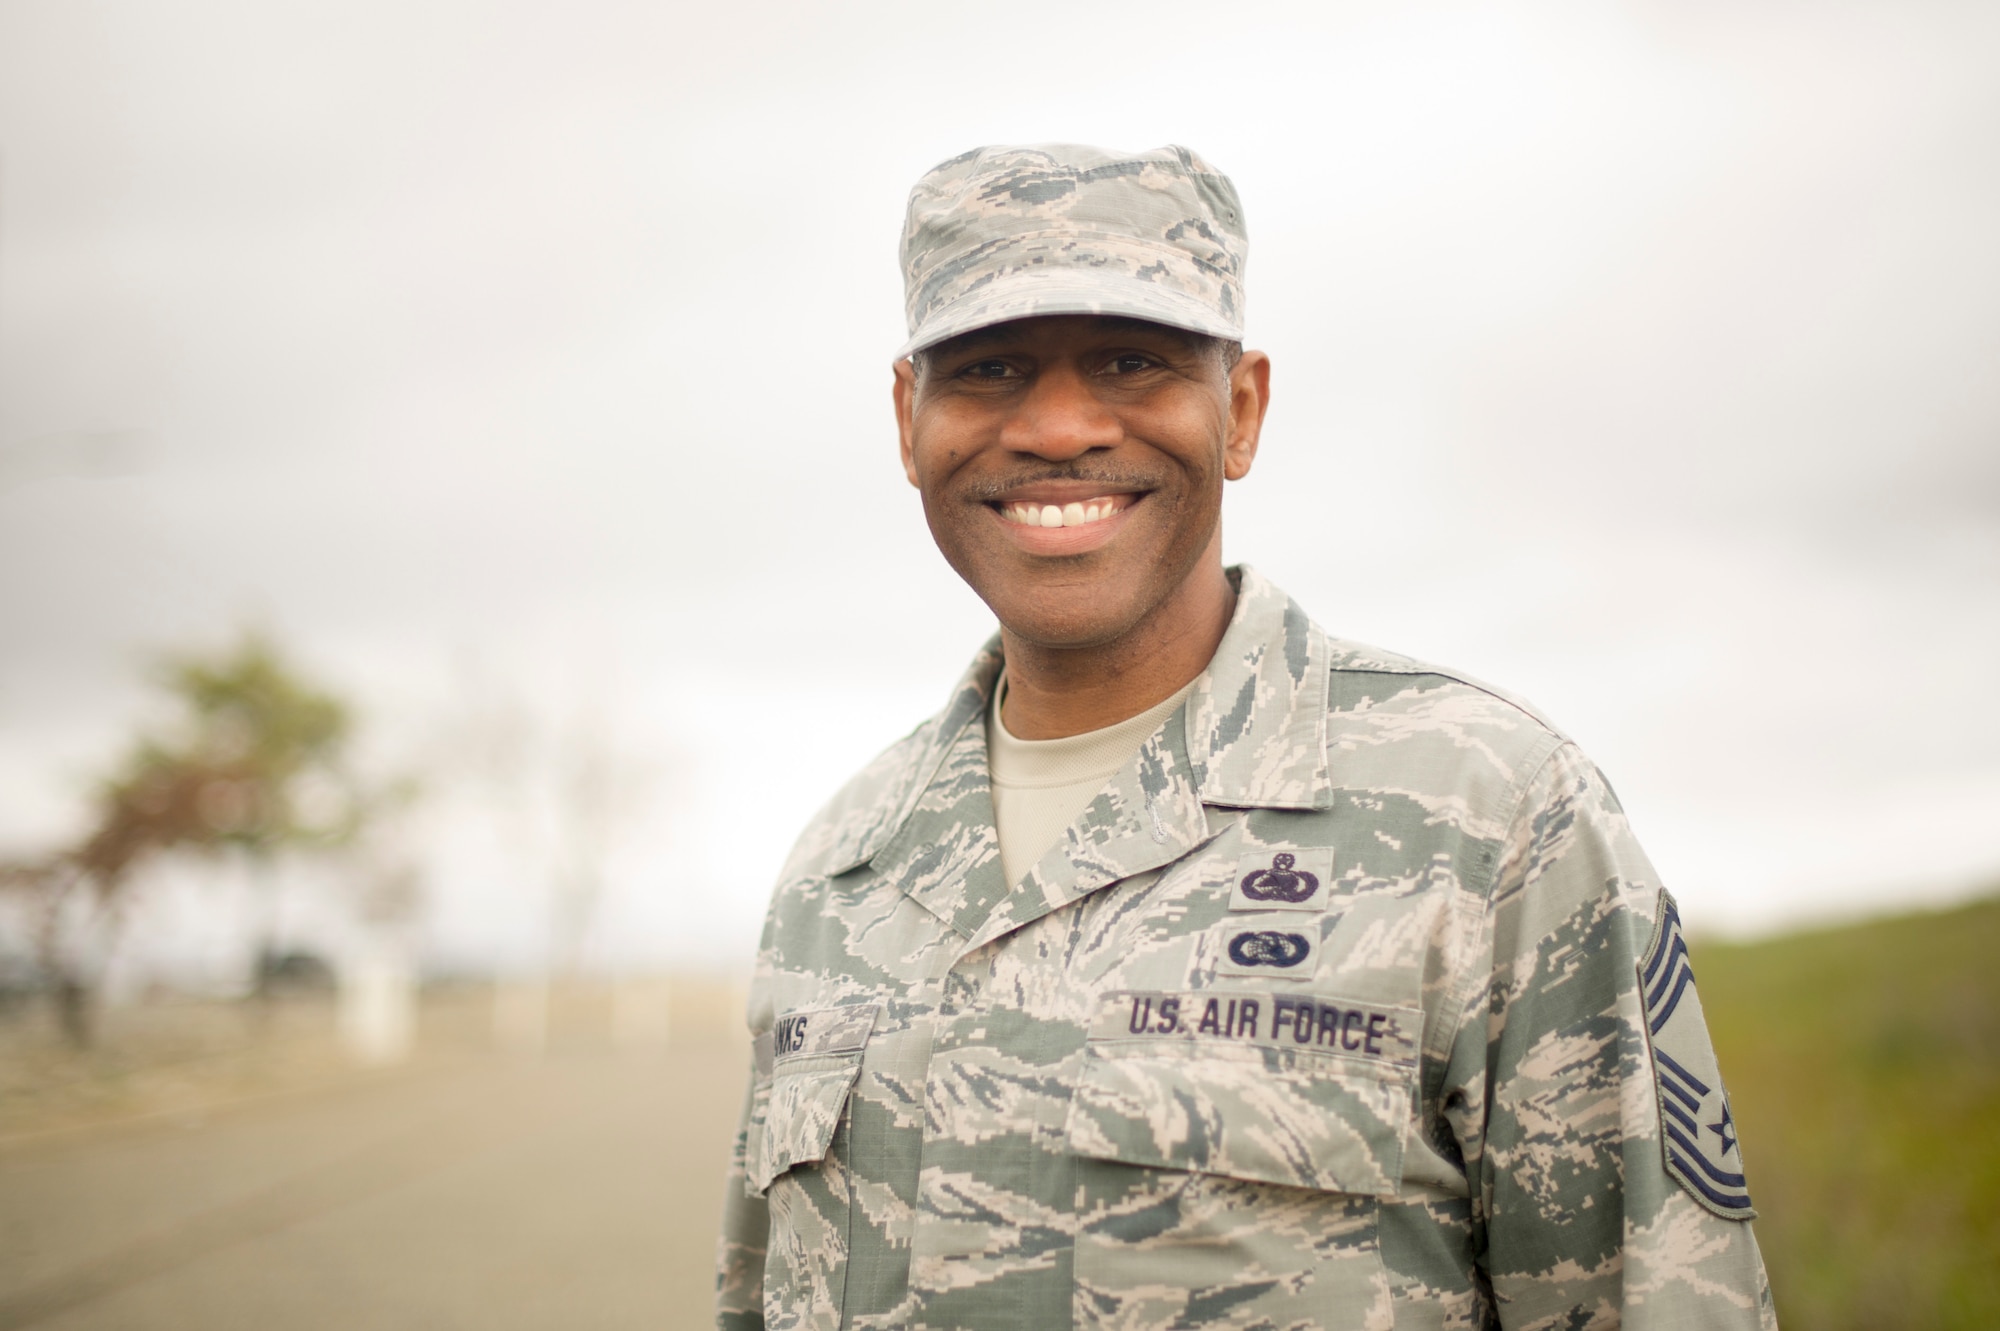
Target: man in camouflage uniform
1349 1001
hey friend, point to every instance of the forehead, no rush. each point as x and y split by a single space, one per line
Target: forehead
1064 329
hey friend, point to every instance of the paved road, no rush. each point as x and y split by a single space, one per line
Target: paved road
576 1191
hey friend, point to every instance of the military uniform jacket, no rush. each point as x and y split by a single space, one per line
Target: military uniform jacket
1339 1007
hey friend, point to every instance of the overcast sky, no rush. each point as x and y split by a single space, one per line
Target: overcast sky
1639 358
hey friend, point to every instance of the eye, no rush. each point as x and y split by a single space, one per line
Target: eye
987 369
1129 362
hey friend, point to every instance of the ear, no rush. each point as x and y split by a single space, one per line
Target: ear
1249 398
905 391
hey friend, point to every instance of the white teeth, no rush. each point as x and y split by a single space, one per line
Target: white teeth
1066 515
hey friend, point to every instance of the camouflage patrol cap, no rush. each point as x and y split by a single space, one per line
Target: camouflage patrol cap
1004 233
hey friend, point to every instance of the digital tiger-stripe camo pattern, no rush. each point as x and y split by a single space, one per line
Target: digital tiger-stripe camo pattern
1009 232
1325 1014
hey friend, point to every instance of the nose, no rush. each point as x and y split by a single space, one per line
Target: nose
1059 418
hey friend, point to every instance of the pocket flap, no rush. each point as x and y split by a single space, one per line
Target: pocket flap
1247 1104
800 1118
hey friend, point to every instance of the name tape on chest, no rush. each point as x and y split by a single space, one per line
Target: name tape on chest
1273 1020
831 1030
1698 1133
1297 879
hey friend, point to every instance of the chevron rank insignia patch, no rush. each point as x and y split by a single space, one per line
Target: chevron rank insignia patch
1697 1131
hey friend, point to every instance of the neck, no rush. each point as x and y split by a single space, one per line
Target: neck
1053 692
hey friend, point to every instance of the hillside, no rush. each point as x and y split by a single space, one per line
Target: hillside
1863 1064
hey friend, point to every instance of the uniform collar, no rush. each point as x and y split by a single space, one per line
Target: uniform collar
1256 719
1253 728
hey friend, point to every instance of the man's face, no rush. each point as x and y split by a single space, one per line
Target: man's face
1072 465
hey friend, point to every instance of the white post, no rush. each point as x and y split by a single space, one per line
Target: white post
378 1007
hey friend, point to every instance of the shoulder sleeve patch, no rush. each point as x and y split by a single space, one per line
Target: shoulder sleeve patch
1697 1131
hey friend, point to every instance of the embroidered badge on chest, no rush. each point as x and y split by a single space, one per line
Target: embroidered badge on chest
1272 953
1296 879
1698 1133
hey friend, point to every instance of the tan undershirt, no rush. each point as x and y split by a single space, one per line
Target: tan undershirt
1041 785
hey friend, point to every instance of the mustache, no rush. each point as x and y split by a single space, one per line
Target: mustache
993 487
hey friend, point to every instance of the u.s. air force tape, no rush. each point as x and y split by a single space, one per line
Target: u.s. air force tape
1271 1020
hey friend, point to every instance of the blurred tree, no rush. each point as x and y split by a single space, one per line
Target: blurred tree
253 765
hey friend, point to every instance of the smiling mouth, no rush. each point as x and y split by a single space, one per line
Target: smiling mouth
1028 513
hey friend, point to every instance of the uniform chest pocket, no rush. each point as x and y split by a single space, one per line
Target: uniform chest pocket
808 1063
806 1068
1231 1150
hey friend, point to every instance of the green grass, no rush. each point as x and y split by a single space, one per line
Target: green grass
1863 1064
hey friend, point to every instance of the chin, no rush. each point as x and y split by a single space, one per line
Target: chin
1059 620
1086 601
